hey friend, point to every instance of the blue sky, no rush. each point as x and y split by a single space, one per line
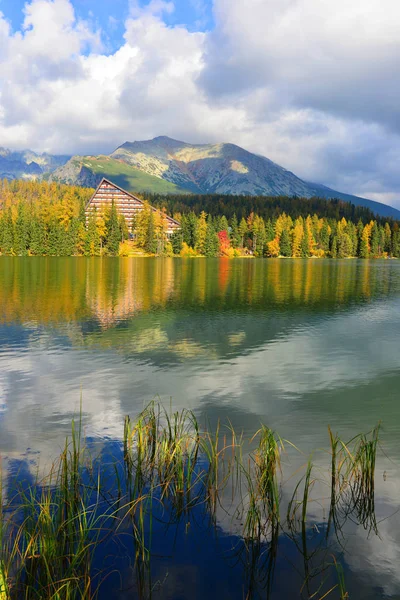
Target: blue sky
314 85
110 16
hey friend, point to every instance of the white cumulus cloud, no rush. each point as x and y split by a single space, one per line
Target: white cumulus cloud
311 84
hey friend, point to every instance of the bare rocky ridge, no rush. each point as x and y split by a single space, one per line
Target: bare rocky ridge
165 165
28 164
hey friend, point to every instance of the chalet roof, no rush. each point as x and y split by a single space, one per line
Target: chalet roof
105 180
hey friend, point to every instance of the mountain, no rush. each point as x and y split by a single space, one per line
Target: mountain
28 164
166 166
88 171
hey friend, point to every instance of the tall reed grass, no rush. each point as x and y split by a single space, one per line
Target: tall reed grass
51 528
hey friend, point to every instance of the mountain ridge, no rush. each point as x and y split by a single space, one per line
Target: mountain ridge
164 165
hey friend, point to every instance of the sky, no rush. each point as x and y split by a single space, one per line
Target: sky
312 84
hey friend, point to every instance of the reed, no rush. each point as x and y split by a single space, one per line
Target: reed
267 462
50 529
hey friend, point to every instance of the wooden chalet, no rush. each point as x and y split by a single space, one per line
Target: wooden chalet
126 203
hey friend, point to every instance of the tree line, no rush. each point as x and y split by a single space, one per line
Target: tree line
284 236
50 219
267 207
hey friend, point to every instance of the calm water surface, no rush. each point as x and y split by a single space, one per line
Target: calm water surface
297 345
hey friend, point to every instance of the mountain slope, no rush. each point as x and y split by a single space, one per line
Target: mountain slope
88 171
28 164
227 169
163 165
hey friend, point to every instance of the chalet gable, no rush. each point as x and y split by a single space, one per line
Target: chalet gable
126 203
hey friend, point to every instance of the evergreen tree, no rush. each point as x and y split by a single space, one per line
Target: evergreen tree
201 233
177 241
72 237
54 238
344 246
388 239
360 229
223 224
324 237
151 241
82 212
235 235
7 233
269 231
242 231
113 232
395 248
38 236
211 247
285 245
21 232
334 246
188 226
92 240
375 240
124 230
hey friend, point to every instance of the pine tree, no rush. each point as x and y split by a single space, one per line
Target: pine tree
92 241
395 248
82 212
177 241
388 239
38 236
53 238
324 237
334 246
284 243
211 246
243 229
374 240
201 233
235 235
360 229
8 233
113 232
21 233
151 241
269 231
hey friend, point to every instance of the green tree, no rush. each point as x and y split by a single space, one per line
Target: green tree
92 240
7 241
151 241
201 233
375 240
21 233
113 232
38 236
324 237
212 242
243 229
284 243
177 241
235 235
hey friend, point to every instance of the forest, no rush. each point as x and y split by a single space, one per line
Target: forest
49 219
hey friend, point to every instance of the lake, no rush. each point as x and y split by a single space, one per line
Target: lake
298 345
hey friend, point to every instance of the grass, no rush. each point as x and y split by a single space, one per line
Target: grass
50 529
129 177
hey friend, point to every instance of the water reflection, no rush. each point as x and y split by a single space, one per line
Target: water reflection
110 291
296 345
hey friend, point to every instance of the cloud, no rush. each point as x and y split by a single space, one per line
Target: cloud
298 81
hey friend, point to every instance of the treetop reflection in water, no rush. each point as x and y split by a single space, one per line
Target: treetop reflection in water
56 290
294 344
